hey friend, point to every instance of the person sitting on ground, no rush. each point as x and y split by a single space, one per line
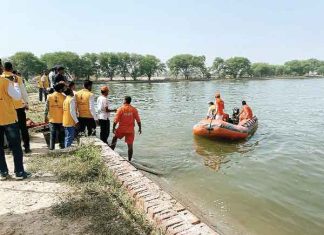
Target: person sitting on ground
211 111
103 114
9 91
125 118
246 112
86 108
70 120
21 106
54 115
219 103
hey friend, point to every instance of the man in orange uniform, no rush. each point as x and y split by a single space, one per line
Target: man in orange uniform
219 103
246 112
54 115
125 117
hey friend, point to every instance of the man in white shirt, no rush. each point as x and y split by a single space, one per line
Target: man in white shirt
103 114
21 106
51 76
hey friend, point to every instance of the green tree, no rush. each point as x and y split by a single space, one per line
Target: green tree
199 66
295 67
311 65
263 69
91 65
218 67
187 65
320 70
237 67
280 70
135 65
109 63
70 60
150 65
27 64
124 63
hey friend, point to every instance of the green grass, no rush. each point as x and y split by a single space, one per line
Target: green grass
96 194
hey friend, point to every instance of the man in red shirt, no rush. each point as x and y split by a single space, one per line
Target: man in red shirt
246 112
219 103
125 118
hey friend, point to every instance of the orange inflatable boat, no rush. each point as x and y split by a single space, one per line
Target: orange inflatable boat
218 129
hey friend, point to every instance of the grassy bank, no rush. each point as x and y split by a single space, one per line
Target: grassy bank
95 195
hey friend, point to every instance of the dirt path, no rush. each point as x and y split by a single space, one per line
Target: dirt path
25 206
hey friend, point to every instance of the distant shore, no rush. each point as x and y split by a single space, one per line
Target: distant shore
171 80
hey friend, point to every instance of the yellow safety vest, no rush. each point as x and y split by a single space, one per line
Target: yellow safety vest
46 82
39 82
19 103
8 114
68 121
55 106
82 99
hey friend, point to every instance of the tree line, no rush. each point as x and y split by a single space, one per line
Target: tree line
187 66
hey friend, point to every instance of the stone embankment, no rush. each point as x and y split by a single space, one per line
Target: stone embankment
160 207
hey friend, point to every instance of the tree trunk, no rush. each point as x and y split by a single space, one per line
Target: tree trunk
149 78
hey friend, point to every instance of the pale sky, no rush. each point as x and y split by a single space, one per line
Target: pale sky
265 31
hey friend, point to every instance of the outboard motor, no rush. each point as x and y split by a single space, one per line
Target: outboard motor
236 116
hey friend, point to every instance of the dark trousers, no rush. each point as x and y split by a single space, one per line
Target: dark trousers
13 137
88 123
56 130
42 91
22 126
104 130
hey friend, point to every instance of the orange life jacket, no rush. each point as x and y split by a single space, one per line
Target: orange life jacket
220 106
247 113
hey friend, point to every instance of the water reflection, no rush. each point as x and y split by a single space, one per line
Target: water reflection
216 153
213 153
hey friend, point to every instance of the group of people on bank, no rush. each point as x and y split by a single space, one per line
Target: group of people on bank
47 80
216 111
67 112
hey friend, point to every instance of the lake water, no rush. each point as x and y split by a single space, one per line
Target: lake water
269 184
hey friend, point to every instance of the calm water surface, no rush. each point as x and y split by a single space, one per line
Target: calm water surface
270 184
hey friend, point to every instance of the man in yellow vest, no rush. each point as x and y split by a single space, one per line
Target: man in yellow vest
86 108
9 91
20 106
70 119
40 87
43 85
54 115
